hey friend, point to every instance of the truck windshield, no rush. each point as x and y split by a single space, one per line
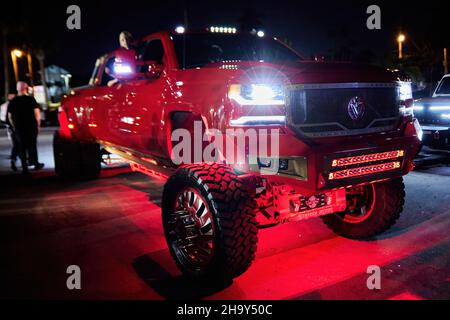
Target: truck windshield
444 86
196 50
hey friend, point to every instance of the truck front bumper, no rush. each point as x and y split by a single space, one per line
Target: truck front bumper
436 137
320 167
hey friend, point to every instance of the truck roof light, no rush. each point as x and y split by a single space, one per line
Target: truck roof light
180 29
215 29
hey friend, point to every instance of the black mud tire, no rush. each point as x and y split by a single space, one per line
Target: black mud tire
75 160
233 211
387 206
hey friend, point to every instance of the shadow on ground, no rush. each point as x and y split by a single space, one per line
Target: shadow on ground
174 287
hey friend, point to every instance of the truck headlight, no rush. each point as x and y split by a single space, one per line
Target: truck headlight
257 94
406 98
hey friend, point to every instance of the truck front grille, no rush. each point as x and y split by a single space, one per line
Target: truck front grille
319 110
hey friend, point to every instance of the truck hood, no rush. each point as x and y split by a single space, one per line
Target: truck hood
299 72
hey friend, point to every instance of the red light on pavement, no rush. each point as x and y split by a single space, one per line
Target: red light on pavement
147 171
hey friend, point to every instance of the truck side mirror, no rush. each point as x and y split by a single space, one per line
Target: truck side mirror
124 70
129 70
153 69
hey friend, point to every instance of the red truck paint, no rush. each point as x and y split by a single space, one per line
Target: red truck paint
133 118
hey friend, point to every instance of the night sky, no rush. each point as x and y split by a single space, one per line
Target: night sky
313 27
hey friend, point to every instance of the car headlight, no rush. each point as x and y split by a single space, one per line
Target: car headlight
257 94
418 107
406 98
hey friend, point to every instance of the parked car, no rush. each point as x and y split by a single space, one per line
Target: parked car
346 137
434 116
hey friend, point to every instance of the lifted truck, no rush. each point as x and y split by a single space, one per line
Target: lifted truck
346 137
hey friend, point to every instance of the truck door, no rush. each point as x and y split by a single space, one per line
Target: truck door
104 117
141 113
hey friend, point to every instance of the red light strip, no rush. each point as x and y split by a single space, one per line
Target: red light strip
355 172
147 171
348 161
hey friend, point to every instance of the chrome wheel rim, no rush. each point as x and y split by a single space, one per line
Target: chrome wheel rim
191 228
360 204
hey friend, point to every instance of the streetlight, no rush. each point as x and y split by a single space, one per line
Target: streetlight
16 54
180 29
66 78
400 39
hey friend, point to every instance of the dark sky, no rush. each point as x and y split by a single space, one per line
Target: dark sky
310 24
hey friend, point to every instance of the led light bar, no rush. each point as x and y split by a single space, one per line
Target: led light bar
440 108
361 171
348 161
222 29
258 120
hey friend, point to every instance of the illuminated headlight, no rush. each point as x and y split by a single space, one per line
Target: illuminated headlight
122 69
406 98
440 108
257 94
418 108
180 29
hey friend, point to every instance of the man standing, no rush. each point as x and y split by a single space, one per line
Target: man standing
25 117
11 136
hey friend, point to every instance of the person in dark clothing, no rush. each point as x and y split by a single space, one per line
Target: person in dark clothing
10 131
24 117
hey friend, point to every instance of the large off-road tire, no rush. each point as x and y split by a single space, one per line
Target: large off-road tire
371 210
75 160
209 222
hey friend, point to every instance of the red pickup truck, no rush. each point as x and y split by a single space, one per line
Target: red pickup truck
345 136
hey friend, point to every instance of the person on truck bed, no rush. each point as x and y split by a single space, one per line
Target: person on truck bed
126 54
